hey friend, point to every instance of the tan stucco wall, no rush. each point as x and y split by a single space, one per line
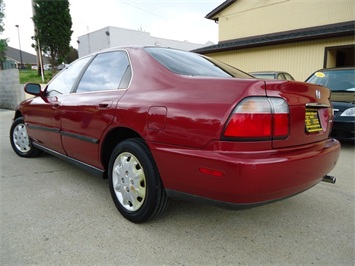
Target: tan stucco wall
299 59
247 18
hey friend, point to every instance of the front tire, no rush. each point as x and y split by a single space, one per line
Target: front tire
20 141
134 181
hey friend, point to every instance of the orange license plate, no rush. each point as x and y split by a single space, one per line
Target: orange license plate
312 120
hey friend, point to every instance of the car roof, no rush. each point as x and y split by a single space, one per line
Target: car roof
267 72
132 47
336 69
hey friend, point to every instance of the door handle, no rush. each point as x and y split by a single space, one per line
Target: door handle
105 104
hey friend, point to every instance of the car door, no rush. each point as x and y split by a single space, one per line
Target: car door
43 116
88 112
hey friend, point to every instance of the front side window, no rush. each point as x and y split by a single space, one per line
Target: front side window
64 81
108 71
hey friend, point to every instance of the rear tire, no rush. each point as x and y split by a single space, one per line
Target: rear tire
20 141
135 183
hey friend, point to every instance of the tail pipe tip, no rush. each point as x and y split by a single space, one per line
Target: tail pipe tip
329 179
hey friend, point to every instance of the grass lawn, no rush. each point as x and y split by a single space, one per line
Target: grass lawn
32 76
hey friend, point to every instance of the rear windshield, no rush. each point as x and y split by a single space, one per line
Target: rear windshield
335 80
264 76
192 64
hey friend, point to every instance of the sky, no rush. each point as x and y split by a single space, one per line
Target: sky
181 20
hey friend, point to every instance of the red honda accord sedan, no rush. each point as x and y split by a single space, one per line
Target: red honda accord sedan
161 123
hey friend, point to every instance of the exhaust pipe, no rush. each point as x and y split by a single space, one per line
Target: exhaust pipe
329 179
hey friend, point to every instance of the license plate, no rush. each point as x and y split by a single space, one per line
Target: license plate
312 120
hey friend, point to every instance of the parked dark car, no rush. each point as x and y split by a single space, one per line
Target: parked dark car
162 123
341 81
272 75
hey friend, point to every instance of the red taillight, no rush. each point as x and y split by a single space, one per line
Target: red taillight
281 125
259 117
249 125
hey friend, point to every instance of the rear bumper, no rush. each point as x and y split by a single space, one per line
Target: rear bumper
247 177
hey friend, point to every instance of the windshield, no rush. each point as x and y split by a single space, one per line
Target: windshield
192 64
335 80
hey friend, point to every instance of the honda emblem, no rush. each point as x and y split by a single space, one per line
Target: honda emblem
317 94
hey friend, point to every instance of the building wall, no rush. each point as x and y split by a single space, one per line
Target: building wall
299 59
114 36
8 64
247 18
11 92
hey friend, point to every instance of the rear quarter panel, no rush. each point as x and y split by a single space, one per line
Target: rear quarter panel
194 109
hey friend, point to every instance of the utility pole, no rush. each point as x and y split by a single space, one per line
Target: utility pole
38 47
19 44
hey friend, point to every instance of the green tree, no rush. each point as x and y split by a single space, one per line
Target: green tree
72 55
53 28
3 42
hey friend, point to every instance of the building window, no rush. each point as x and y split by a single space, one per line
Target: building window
339 56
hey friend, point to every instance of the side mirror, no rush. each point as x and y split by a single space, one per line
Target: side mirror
33 89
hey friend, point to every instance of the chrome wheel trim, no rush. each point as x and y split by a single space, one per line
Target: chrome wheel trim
128 180
20 138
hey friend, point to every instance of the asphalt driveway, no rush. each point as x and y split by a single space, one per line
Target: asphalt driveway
53 213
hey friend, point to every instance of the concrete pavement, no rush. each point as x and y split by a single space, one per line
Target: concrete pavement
53 213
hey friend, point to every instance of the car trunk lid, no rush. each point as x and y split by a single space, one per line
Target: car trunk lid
310 111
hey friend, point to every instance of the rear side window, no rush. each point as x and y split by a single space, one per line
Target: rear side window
108 71
191 64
